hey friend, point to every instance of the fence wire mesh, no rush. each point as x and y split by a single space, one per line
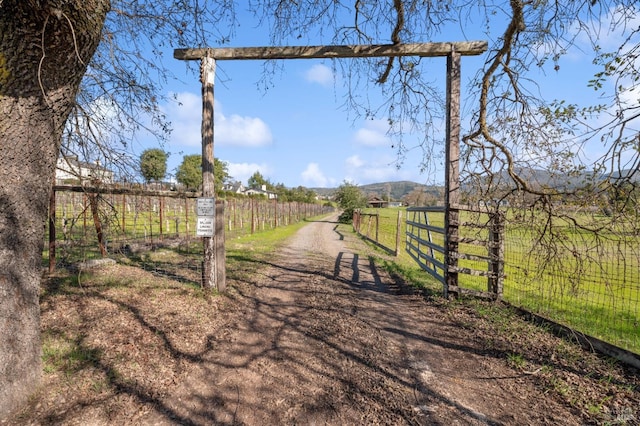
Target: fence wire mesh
132 224
587 281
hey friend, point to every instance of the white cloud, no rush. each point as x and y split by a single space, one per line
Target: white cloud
373 134
234 130
185 115
313 176
320 74
243 171
237 130
382 169
354 162
379 174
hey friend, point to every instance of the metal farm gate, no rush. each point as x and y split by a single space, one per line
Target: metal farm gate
476 248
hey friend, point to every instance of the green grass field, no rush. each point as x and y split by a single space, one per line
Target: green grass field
589 284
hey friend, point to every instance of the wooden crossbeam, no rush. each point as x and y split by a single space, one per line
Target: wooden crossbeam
464 48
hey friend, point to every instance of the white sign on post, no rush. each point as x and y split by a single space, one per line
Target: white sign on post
204 226
205 206
205 210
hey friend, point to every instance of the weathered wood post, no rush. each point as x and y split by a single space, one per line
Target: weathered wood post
377 225
124 214
186 219
219 242
207 78
275 211
94 203
84 215
496 254
161 215
253 215
398 228
452 172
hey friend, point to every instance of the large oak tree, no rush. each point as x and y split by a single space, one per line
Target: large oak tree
47 47
44 51
71 71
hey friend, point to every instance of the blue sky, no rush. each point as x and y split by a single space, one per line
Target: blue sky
297 131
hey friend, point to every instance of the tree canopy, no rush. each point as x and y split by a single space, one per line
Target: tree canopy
153 164
509 125
299 194
349 198
256 181
189 172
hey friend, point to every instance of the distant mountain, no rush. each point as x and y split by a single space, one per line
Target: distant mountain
396 190
564 182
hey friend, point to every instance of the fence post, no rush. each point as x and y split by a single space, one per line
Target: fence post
275 213
161 217
398 227
186 219
84 215
221 270
150 218
253 219
356 221
377 225
124 212
93 201
496 254
452 171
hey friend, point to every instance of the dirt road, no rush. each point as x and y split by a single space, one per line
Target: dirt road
327 338
314 335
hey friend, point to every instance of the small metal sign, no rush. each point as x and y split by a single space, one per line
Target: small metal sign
204 226
205 206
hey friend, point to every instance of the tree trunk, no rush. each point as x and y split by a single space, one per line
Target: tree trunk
44 49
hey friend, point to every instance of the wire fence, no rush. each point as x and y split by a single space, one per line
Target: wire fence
590 282
126 222
587 281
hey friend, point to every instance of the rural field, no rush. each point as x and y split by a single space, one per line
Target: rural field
316 327
589 284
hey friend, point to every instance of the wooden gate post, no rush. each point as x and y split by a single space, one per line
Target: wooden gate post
496 254
207 78
452 172
398 227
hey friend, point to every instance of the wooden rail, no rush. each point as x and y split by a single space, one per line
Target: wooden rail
342 51
433 257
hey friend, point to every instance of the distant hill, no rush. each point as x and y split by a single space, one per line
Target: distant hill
397 190
564 182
